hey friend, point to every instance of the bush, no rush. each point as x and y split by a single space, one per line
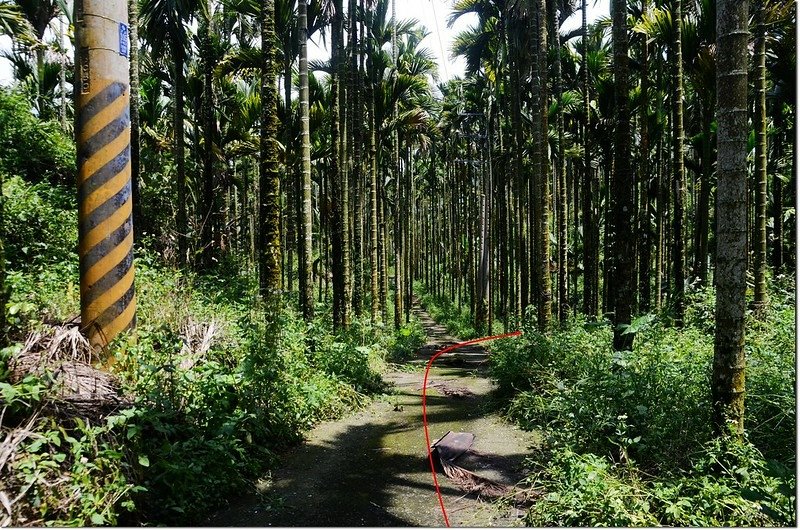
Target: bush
35 150
729 485
40 225
212 405
628 434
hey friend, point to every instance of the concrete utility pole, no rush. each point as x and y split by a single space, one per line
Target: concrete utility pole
103 135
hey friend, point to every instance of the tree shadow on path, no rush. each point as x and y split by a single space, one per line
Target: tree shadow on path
371 468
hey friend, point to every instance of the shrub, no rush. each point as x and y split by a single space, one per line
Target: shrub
212 405
35 150
628 434
37 231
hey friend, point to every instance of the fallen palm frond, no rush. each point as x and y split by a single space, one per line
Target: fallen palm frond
450 448
8 450
469 482
198 337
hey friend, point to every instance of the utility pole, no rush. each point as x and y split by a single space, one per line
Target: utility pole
103 135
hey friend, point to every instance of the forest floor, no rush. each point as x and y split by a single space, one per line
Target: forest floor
371 468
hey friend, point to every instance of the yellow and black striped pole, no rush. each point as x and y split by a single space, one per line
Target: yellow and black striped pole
103 134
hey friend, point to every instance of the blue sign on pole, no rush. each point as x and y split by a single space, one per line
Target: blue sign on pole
123 39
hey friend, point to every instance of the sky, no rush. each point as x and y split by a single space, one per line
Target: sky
432 14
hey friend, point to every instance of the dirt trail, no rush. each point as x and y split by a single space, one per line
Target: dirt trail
370 469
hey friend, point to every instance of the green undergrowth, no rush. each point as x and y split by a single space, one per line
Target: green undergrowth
211 407
628 434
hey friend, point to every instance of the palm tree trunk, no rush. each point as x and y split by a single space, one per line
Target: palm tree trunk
181 223
340 247
383 253
728 378
561 175
701 252
292 190
520 184
306 279
358 165
645 232
207 243
590 240
62 73
679 181
777 195
545 307
269 181
623 280
760 123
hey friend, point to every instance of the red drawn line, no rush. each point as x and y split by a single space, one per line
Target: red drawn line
425 408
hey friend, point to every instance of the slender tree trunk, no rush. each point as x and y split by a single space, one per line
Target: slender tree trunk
383 253
590 243
645 231
207 243
40 74
341 251
358 165
760 123
374 246
544 280
661 215
269 184
482 320
306 279
62 72
728 379
701 252
520 181
561 176
623 279
182 225
679 181
777 194
791 236
397 237
291 199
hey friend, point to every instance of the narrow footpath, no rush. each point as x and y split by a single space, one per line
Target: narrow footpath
371 469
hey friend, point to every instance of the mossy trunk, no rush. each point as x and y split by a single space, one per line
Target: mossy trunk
728 378
269 181
678 170
374 246
306 279
133 21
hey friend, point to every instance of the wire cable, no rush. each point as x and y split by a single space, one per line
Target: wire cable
425 407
